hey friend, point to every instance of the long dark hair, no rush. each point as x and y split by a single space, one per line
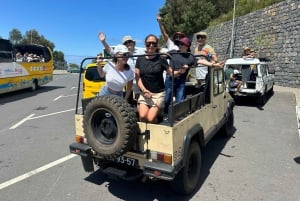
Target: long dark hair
115 60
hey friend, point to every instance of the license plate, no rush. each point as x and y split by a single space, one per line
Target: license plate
125 160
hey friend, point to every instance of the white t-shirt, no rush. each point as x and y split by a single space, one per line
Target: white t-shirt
171 45
131 60
116 80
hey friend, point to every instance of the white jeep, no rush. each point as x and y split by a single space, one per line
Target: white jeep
257 78
109 135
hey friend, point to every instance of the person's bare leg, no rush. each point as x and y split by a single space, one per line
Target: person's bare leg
152 114
143 112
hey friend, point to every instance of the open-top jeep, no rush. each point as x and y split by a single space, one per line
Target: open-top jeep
109 135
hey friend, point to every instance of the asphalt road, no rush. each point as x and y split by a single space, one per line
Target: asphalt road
260 162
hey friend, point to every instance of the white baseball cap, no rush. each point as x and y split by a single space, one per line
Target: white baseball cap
126 38
121 49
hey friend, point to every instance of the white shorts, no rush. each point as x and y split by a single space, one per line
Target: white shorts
201 72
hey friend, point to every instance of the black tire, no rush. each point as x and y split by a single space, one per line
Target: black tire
110 125
271 91
34 85
188 178
227 129
262 99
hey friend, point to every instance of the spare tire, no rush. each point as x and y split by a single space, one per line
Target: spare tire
110 125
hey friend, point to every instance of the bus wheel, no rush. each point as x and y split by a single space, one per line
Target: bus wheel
34 85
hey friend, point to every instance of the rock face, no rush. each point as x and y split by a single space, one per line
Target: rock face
274 32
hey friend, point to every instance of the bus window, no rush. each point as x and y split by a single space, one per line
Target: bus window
33 53
5 51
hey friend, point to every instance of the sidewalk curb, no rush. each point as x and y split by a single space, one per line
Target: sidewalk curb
296 92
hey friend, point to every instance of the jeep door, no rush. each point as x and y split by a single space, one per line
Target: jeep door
270 79
264 76
217 100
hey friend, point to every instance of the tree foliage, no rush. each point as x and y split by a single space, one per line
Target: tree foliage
190 16
72 65
15 36
243 7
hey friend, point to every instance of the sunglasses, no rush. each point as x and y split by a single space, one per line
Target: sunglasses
127 42
181 44
124 55
148 44
201 37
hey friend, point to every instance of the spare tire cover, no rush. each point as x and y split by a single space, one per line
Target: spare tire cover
110 125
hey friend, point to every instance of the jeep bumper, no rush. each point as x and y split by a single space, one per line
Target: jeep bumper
159 170
86 155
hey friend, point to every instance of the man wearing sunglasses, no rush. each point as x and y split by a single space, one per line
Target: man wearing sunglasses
170 44
210 55
130 44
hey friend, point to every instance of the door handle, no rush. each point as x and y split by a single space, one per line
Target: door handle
214 106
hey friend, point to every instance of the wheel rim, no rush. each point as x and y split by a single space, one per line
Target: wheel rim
104 126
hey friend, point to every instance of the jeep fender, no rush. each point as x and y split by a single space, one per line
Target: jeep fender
193 134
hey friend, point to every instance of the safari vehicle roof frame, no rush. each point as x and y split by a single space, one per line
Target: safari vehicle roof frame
176 109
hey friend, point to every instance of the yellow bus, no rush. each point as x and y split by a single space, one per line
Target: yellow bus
24 66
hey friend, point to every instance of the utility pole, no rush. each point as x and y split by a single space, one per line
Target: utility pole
232 31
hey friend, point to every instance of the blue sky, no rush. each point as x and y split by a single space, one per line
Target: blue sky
73 26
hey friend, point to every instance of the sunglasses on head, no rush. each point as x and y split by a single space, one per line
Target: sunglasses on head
127 42
148 44
200 37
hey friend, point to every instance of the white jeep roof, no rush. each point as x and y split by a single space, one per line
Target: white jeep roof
241 61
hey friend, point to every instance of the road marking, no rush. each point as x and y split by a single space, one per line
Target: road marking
37 117
22 121
61 96
36 171
55 99
46 115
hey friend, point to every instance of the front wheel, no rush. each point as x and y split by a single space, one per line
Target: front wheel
34 85
228 127
188 178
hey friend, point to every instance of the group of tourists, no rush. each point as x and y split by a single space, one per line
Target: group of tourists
150 76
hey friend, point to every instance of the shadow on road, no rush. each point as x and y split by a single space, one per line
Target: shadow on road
159 190
252 101
297 159
25 93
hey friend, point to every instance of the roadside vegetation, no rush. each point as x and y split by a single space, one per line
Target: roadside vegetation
191 16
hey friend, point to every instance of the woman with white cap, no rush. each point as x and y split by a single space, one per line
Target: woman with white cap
130 44
117 73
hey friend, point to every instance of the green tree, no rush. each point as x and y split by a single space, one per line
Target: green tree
15 36
72 65
33 37
58 56
188 16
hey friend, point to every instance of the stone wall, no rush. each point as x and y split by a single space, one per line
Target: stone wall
273 31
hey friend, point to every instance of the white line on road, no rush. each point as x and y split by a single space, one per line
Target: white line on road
36 171
22 121
46 115
29 117
55 99
61 96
